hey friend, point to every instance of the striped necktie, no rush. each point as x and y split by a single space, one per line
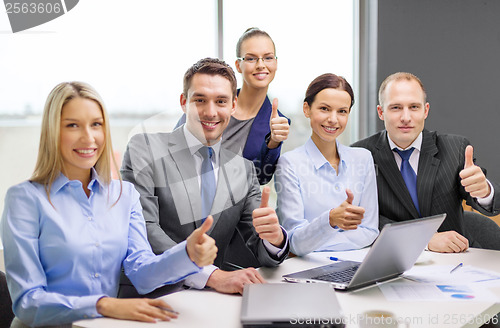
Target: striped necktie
208 186
408 174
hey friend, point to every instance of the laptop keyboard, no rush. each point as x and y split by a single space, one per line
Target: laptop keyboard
339 276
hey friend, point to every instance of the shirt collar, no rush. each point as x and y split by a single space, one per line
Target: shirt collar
417 143
317 157
62 181
96 180
194 144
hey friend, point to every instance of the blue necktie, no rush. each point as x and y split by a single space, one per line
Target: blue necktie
208 186
408 174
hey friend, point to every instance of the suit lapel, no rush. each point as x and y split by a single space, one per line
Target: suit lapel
188 183
232 183
386 165
428 166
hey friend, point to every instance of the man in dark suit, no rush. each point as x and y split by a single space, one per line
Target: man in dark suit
422 173
173 173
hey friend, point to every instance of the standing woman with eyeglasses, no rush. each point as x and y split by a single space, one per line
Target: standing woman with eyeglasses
268 128
257 129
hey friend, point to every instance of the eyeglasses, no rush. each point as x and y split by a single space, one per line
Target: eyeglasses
254 60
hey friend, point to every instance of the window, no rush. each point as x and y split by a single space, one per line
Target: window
135 54
311 38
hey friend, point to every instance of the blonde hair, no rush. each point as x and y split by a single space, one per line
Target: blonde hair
50 163
398 77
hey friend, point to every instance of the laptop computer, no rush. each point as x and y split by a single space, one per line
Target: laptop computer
395 250
290 305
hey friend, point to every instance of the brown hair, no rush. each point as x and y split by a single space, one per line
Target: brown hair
250 33
325 81
210 66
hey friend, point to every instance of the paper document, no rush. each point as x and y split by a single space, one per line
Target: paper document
409 291
440 274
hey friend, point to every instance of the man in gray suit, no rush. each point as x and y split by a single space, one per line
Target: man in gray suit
442 167
170 172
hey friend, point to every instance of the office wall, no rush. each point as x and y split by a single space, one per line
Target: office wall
454 47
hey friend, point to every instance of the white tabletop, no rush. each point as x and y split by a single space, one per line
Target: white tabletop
206 308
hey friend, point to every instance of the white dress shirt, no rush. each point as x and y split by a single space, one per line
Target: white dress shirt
308 187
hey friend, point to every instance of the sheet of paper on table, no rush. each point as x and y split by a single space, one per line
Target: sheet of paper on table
440 274
409 291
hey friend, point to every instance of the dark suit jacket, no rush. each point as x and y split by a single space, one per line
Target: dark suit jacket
162 169
439 189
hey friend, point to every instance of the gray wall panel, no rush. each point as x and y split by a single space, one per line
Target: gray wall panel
454 47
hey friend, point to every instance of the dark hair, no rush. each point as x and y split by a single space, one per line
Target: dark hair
210 66
325 81
249 33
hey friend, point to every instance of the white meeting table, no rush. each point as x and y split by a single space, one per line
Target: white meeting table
206 308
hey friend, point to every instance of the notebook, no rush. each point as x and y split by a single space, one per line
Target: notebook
290 305
395 250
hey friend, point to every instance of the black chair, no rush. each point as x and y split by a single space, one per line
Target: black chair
6 314
483 230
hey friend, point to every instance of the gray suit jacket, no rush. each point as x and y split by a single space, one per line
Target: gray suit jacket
439 189
162 169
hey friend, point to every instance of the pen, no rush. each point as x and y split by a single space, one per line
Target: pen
457 267
235 266
333 258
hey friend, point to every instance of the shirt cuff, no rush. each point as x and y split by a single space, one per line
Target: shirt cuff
488 200
267 139
170 267
324 219
87 306
199 280
178 256
276 251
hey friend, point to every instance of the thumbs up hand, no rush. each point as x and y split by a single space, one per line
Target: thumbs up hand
350 196
200 247
469 157
279 127
347 216
265 221
473 178
264 200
